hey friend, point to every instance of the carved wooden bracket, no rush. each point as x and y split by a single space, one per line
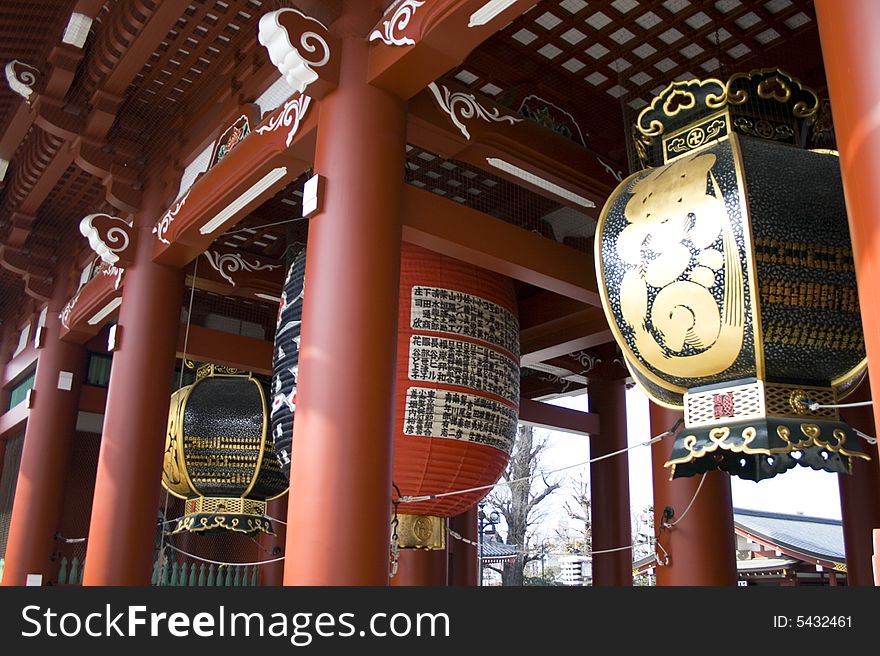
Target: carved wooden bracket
392 31
94 305
276 152
462 107
232 272
35 271
302 50
21 78
418 41
111 238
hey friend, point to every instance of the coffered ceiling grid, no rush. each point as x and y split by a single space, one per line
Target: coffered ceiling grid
493 195
25 28
611 56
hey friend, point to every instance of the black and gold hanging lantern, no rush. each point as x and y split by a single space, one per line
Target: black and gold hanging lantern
727 277
217 455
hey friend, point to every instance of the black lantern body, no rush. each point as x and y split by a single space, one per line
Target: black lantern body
727 277
217 455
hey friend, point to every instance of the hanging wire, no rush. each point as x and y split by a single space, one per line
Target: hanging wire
65 540
460 537
221 563
395 546
265 225
192 292
665 525
867 438
431 497
628 547
812 405
689 506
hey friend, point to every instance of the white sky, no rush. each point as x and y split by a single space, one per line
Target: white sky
800 490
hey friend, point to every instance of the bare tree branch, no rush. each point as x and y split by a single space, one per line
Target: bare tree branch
518 503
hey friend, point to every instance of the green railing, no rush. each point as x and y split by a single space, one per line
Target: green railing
165 573
71 572
193 575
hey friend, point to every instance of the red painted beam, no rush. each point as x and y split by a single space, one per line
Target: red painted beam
558 337
221 271
13 421
248 176
544 415
95 305
545 385
15 133
206 345
444 33
451 229
516 141
21 362
93 399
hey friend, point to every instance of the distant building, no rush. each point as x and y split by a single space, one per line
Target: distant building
575 570
783 550
494 552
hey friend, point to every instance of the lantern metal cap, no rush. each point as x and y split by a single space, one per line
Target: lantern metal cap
765 103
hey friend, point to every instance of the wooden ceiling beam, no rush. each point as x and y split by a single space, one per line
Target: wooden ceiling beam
451 229
541 385
249 175
440 34
116 174
552 417
206 345
523 152
563 335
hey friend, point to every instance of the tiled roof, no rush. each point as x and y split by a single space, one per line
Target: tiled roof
495 549
764 564
812 536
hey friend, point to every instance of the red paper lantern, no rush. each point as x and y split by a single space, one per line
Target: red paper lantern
457 380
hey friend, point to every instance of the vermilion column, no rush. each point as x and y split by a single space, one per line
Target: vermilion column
127 486
340 509
463 558
609 480
860 497
51 429
850 36
701 546
876 556
421 567
272 546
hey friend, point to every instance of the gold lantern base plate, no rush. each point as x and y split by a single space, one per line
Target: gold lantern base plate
421 532
206 514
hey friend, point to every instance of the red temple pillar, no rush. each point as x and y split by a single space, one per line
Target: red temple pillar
51 429
463 568
341 471
860 497
609 480
127 485
849 34
421 567
876 556
272 546
701 546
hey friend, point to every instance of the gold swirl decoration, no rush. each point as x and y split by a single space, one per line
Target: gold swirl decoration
682 332
679 99
174 474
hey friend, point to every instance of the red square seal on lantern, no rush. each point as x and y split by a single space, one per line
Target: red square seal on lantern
723 405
